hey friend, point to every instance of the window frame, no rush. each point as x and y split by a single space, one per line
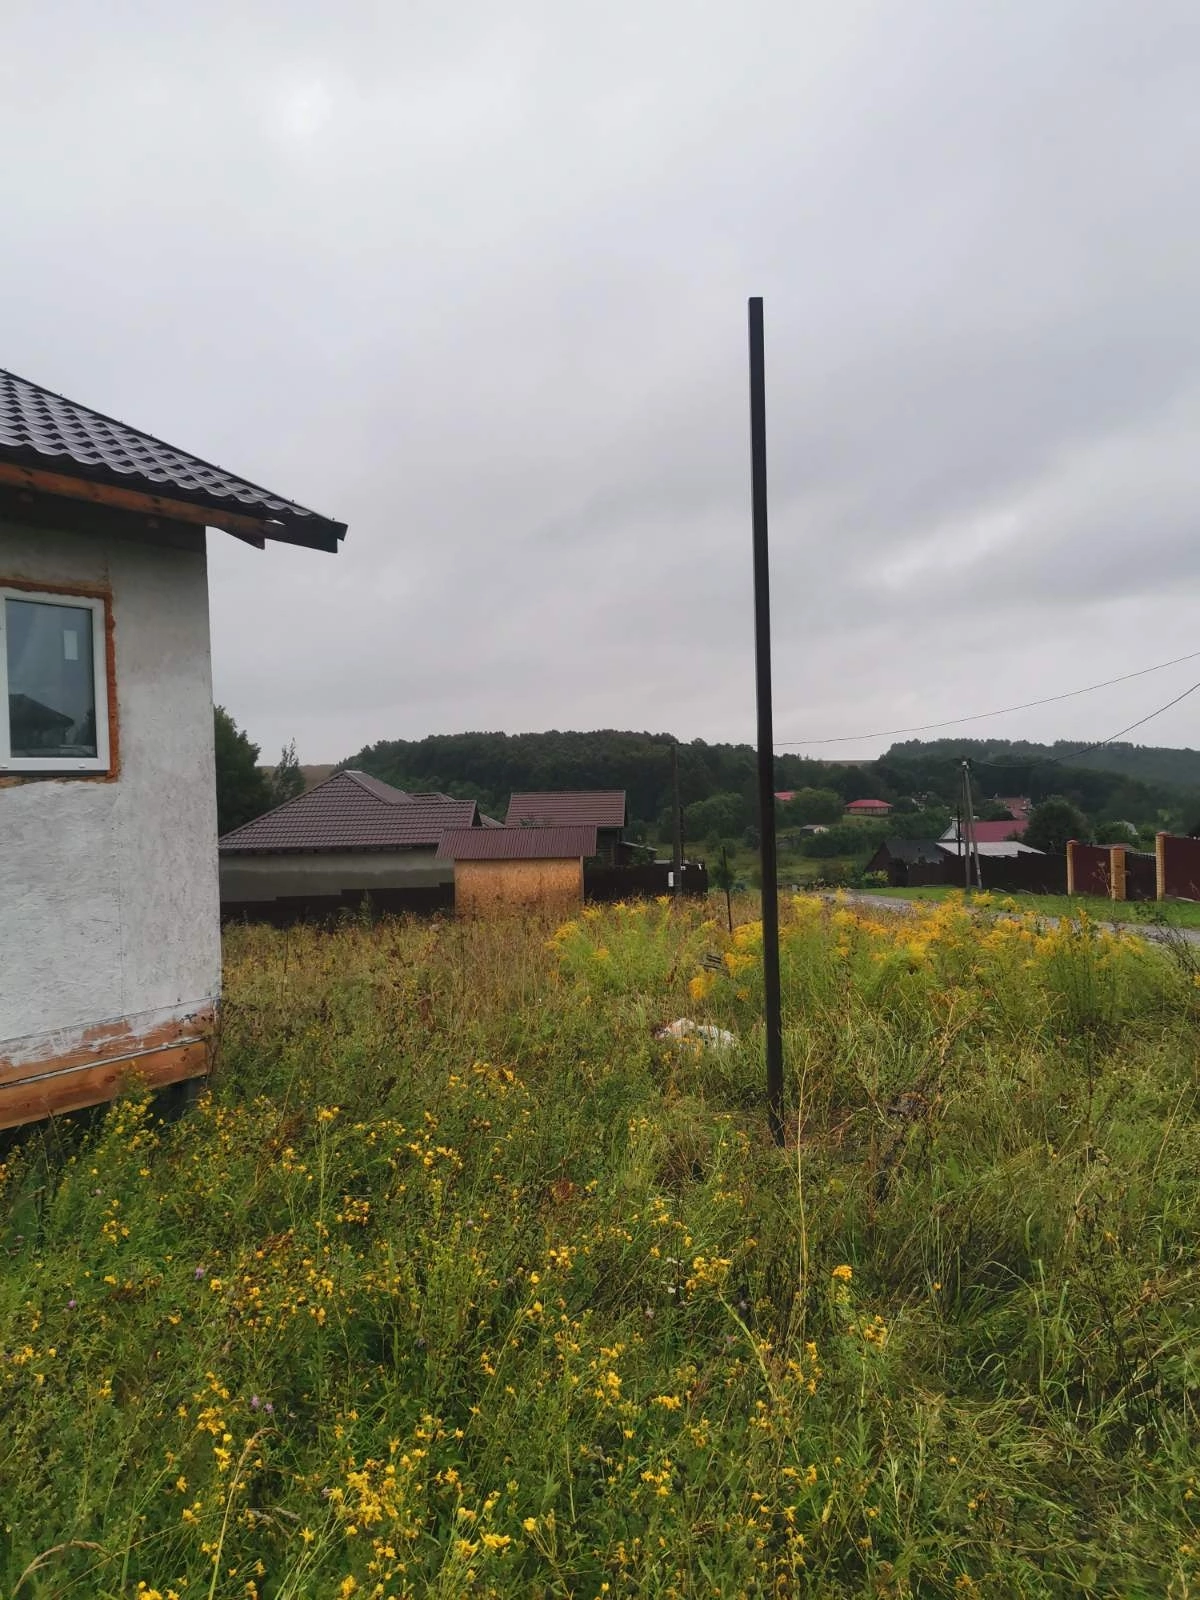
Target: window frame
59 766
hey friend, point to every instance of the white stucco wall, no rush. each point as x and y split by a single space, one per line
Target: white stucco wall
108 890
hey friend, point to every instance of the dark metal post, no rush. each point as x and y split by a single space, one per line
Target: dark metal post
772 1009
972 841
676 824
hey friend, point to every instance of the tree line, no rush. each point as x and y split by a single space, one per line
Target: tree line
718 782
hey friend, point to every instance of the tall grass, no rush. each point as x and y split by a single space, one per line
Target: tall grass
461 1282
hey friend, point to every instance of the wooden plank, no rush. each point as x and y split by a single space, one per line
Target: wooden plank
91 1086
105 1042
252 529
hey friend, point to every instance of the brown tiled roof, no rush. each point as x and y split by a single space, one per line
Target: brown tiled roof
41 430
603 807
518 844
352 811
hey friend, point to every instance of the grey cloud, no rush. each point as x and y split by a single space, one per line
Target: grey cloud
474 278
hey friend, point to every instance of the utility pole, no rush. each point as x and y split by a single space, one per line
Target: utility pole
969 814
677 825
772 1003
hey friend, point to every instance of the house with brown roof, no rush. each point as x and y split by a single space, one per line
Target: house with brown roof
602 809
110 958
348 840
518 868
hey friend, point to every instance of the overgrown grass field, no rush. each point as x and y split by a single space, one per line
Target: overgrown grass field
461 1282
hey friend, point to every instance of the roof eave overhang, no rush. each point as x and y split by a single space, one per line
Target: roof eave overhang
311 531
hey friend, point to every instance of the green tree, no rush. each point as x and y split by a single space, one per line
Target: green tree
721 815
243 791
810 805
1053 823
1116 833
287 781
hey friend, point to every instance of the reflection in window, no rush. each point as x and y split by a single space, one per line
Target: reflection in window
51 679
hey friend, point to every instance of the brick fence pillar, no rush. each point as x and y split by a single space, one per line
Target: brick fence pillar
1160 866
1116 871
1071 867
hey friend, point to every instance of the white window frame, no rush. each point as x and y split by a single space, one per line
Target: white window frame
62 765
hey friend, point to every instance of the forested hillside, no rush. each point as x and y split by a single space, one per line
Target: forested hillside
488 767
1150 764
718 787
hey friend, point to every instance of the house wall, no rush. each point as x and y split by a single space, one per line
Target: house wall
280 888
109 930
247 876
482 888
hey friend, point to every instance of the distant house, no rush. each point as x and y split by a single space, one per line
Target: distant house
784 795
602 809
996 849
872 810
987 832
110 956
349 839
518 868
909 862
1018 807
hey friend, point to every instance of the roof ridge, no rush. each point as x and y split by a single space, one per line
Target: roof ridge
115 422
367 787
283 805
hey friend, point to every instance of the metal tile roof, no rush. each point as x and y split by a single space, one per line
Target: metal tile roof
991 832
42 430
551 807
352 811
518 844
914 851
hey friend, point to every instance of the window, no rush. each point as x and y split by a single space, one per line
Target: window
53 684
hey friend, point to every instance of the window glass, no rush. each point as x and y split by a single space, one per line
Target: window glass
51 679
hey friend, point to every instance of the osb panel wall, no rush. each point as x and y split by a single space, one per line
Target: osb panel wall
485 888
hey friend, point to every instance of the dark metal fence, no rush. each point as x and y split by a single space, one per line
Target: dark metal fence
1141 875
602 882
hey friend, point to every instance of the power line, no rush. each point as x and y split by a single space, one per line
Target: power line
1027 763
1028 705
1072 755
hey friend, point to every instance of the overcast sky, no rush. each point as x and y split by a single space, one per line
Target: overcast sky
473 278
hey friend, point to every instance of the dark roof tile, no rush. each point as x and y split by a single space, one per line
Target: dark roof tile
351 811
603 807
518 844
40 429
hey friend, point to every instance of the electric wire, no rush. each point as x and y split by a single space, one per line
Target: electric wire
1028 705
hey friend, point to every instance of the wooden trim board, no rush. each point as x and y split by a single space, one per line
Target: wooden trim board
92 1065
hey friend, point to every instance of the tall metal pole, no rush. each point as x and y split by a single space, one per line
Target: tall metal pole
676 825
972 841
772 1007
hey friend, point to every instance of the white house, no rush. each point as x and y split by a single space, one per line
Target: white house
109 930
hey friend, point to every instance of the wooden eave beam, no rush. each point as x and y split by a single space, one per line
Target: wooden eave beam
252 530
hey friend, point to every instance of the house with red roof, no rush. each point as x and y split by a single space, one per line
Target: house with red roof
871 810
988 832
